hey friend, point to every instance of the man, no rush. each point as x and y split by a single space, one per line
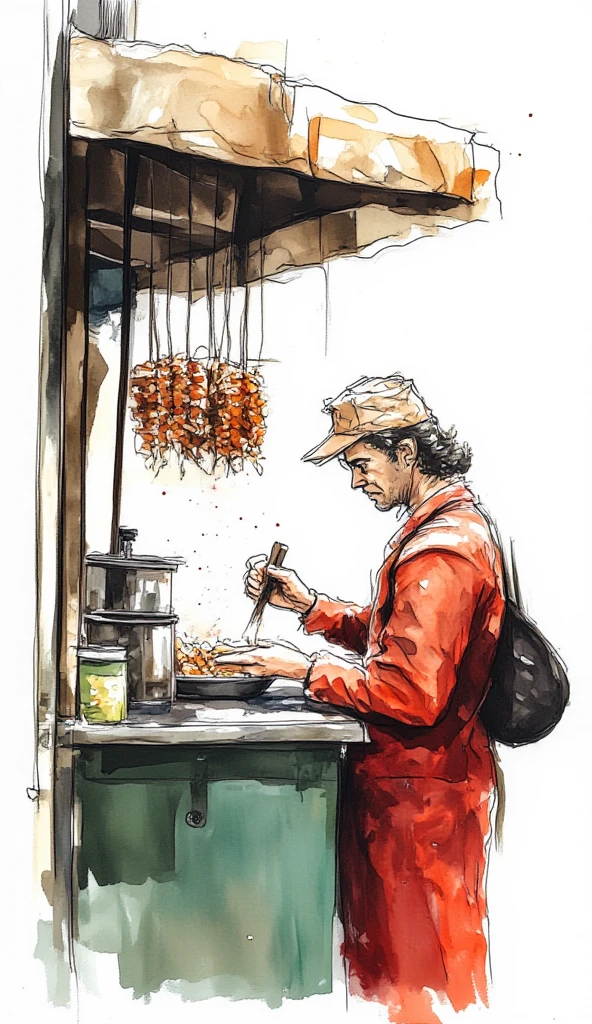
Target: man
415 813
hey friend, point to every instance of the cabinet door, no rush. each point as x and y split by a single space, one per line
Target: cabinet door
240 907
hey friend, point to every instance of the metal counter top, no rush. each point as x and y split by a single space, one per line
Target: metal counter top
280 715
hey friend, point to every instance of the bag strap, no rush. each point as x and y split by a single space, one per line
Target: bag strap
518 601
510 579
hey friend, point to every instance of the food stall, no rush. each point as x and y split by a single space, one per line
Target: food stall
183 809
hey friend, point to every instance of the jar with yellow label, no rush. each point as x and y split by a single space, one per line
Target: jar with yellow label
102 684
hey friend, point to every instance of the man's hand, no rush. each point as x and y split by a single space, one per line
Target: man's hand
269 660
288 592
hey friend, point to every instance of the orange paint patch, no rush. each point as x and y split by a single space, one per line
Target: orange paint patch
361 112
314 133
468 179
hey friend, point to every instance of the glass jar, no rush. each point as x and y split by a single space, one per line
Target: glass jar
102 684
148 642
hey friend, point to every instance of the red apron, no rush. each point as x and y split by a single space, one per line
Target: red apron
414 814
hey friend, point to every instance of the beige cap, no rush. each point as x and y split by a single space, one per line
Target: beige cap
369 406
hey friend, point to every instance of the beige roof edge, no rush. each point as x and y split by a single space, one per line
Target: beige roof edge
227 109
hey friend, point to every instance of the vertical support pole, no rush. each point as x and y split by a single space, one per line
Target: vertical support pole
131 175
73 427
65 896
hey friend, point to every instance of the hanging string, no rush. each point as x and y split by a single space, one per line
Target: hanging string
230 273
156 327
151 284
244 328
155 303
261 263
208 262
231 265
170 269
327 307
210 269
228 269
325 268
210 283
189 266
169 295
224 269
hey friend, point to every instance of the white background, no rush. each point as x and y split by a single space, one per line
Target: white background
492 321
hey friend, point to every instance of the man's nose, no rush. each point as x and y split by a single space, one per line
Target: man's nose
357 479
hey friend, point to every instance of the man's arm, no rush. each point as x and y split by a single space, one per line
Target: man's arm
411 679
340 622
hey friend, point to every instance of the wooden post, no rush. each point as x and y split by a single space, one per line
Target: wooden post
53 808
73 428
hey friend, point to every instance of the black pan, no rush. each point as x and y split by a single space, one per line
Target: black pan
222 687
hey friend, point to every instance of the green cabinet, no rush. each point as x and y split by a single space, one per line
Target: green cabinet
241 906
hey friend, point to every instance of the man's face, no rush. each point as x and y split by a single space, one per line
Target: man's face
386 482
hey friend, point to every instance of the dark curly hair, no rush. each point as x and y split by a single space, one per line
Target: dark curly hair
438 452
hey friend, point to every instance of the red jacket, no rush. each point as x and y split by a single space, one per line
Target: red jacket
427 643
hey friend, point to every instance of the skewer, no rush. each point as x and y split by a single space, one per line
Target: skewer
276 559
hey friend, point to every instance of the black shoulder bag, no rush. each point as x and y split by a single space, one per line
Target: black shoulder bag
529 686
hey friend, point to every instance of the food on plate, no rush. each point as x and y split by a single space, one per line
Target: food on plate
198 658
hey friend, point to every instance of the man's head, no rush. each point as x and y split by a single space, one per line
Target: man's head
388 438
386 465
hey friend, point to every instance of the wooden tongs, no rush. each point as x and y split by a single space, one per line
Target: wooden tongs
276 559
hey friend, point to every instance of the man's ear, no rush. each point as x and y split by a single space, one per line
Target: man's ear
407 451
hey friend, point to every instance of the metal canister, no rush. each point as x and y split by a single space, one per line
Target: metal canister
102 684
148 642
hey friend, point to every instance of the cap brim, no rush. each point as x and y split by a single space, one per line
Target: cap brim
333 445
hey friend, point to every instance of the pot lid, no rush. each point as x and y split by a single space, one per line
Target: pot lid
123 618
105 655
146 562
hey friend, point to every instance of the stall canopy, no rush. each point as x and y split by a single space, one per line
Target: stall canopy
290 174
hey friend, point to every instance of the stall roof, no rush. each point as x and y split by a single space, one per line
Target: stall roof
239 113
315 175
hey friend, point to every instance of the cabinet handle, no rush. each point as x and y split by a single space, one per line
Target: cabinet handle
197 816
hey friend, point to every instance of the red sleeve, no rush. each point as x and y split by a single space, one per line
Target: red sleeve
340 623
436 594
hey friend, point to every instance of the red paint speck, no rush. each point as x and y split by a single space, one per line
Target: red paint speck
530 115
520 154
240 517
164 492
255 527
277 524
